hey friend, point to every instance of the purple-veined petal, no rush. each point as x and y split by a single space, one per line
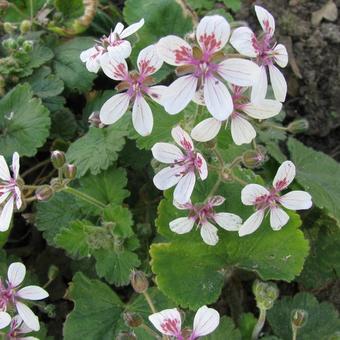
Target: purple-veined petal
182 138
278 218
16 273
212 33
114 67
18 201
252 223
206 130
241 40
131 29
166 152
284 176
4 196
5 319
174 50
179 94
157 93
251 192
30 319
32 293
121 49
238 71
280 55
15 165
260 86
149 61
168 322
209 233
263 109
205 322
227 221
114 108
91 57
296 200
185 206
278 82
4 171
217 98
142 118
201 166
168 177
266 20
185 187
182 225
242 131
117 31
6 214
216 201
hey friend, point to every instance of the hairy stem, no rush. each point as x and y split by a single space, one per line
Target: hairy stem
295 329
259 325
85 197
149 301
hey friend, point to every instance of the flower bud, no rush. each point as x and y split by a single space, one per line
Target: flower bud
265 294
254 158
58 159
298 126
132 320
126 336
4 4
27 46
299 318
10 44
70 171
94 120
139 282
25 26
44 193
9 28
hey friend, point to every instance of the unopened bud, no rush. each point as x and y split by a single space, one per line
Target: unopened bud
53 272
9 28
299 318
298 126
44 193
27 45
58 159
265 294
4 4
25 26
139 281
126 336
254 158
10 44
94 120
132 320
70 171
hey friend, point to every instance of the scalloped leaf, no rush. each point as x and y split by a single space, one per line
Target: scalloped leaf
225 330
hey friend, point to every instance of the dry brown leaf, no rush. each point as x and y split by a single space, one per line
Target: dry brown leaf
329 12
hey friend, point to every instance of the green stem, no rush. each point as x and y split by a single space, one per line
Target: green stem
150 331
219 157
238 179
295 329
236 161
149 301
31 10
31 186
85 197
274 126
30 199
259 325
214 188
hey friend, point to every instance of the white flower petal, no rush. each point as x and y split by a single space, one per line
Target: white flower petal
114 108
182 225
142 118
266 20
174 50
260 86
91 57
242 131
30 319
216 201
280 55
32 293
252 223
263 109
168 177
278 218
241 40
18 201
251 192
199 96
114 67
296 200
238 71
5 319
166 152
201 166
217 98
149 61
131 29
4 171
168 322
206 130
15 165
212 33
6 214
16 273
209 233
157 93
120 50
205 322
185 187
284 176
278 82
182 138
118 30
179 94
4 196
227 221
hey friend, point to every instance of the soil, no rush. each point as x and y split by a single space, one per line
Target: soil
313 73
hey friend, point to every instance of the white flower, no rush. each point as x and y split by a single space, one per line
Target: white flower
9 191
11 295
182 165
168 322
19 328
5 319
202 214
266 53
137 85
263 200
204 69
242 130
115 44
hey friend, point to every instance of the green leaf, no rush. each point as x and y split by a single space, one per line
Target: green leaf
39 56
97 310
247 323
273 255
71 8
225 330
234 5
54 103
319 174
25 10
69 68
322 322
24 122
64 124
98 148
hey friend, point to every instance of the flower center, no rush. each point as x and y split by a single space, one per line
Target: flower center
267 201
263 48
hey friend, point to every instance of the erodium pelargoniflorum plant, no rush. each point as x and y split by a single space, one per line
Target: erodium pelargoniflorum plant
150 181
